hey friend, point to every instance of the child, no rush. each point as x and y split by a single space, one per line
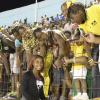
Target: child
79 71
32 82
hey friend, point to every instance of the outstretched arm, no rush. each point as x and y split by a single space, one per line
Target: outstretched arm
92 38
78 60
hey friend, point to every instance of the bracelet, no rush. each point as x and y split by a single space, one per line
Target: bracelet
90 60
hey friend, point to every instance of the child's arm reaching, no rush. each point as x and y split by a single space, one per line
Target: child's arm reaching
78 60
92 38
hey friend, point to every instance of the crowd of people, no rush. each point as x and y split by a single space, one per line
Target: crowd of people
55 59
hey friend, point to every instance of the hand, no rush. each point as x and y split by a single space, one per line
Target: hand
75 26
92 62
4 31
55 51
66 61
90 38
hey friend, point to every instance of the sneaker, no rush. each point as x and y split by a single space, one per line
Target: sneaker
77 97
10 96
84 96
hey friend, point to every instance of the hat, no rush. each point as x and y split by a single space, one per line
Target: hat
60 33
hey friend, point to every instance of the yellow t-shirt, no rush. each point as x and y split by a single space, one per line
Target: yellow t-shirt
78 51
92 24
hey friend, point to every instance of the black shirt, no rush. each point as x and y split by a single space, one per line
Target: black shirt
30 89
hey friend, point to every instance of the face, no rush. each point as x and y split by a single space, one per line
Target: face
17 36
80 41
76 18
21 31
38 64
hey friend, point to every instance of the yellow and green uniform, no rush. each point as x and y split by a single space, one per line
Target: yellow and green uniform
78 51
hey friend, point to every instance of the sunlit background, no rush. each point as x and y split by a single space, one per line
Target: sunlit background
48 7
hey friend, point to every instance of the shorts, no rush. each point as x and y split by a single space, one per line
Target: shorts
58 76
79 73
15 69
11 60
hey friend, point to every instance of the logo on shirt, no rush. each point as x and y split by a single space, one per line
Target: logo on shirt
39 84
94 23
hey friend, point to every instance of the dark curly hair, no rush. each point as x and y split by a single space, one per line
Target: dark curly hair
16 29
75 8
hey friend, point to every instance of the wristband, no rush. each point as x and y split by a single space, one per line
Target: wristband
90 60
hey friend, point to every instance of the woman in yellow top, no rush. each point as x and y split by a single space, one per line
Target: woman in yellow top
89 20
